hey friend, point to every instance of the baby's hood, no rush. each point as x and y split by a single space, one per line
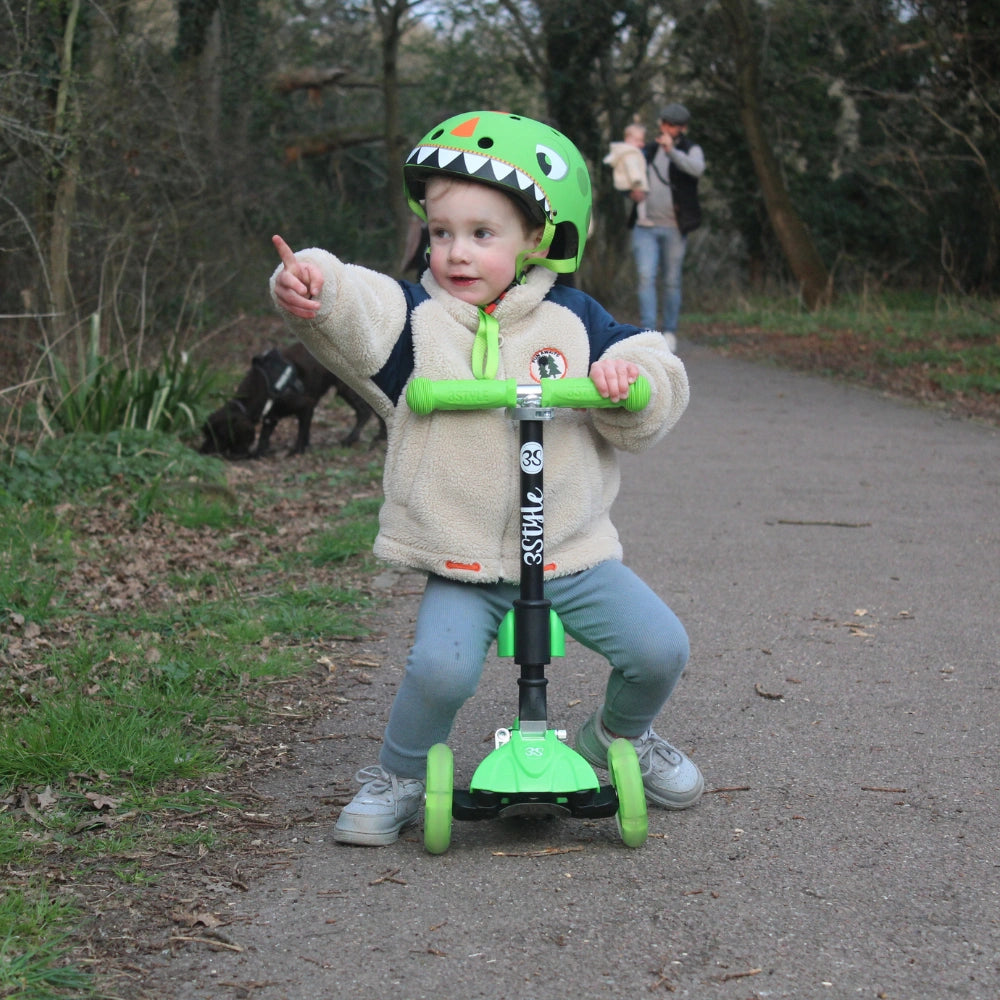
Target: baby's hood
618 150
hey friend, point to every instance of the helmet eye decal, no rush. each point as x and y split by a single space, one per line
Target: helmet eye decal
553 165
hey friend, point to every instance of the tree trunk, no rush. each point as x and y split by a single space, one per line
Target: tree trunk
797 245
576 36
64 200
390 16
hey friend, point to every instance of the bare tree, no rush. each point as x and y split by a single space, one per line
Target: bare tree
394 18
64 200
797 244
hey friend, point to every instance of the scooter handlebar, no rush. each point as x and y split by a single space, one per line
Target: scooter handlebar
424 395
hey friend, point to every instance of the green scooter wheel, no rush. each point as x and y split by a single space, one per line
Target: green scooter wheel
626 776
438 798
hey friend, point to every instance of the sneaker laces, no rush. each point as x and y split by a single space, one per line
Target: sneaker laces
376 780
650 746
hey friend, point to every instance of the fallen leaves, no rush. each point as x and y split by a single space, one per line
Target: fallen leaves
193 918
47 798
28 806
211 936
100 802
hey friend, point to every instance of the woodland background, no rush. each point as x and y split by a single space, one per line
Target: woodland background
149 148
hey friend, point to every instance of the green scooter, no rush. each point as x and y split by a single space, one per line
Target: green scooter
531 771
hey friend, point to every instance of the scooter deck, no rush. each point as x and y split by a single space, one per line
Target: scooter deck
588 803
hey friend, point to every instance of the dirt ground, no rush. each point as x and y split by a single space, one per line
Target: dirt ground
129 920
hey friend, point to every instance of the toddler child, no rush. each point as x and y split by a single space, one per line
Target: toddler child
507 201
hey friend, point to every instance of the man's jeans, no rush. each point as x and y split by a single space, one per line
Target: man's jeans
659 250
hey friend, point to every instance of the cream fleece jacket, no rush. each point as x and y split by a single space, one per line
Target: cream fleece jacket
451 478
628 165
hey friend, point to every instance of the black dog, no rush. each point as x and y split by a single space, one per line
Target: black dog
281 383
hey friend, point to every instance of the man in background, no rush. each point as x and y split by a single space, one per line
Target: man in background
659 240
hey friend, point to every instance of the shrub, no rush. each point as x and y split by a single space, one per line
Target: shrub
99 397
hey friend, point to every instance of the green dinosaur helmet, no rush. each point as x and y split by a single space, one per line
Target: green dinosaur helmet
530 161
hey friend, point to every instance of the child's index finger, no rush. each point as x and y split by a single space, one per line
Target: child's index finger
284 251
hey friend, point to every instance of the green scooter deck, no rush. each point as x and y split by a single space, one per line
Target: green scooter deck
533 764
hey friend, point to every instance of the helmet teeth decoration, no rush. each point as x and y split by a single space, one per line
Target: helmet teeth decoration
476 165
531 161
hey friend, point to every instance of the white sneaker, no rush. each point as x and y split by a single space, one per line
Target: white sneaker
385 804
671 780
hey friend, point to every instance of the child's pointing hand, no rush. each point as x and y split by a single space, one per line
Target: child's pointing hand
299 284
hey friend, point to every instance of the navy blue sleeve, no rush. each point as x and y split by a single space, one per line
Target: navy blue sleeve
393 375
602 328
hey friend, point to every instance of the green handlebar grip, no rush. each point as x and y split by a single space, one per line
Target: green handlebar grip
424 395
583 394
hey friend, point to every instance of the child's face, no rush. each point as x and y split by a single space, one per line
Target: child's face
476 235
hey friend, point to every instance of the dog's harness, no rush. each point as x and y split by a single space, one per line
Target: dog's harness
280 376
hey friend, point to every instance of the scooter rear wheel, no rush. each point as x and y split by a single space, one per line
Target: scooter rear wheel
438 798
626 776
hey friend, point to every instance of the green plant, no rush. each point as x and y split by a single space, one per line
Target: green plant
96 396
80 464
314 610
135 737
188 502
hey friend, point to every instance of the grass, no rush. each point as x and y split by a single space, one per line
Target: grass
133 737
355 532
952 343
114 720
34 939
34 544
919 312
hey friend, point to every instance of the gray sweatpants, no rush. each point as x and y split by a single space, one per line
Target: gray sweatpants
607 609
